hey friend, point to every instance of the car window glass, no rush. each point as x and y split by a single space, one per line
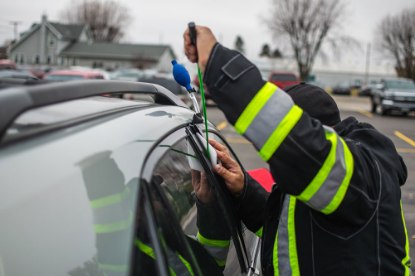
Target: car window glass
193 199
145 260
171 238
250 239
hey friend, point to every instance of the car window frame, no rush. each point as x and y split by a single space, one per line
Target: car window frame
225 197
174 136
162 146
254 259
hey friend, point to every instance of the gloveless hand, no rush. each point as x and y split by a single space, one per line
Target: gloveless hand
205 41
229 169
201 187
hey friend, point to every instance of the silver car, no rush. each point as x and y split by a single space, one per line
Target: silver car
99 185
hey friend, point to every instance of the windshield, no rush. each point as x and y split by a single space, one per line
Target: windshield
401 85
64 77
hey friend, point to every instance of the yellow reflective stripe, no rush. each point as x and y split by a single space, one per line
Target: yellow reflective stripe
406 259
113 227
280 133
209 242
341 192
254 106
292 243
275 256
324 171
109 200
187 264
259 232
116 268
145 248
220 262
150 252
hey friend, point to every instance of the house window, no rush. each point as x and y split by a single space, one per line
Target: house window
51 43
49 60
21 59
16 58
37 59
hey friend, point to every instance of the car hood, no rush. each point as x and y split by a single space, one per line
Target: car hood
401 93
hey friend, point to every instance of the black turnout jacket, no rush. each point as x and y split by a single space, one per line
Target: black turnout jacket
336 208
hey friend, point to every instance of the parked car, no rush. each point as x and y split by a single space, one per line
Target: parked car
17 74
71 75
393 95
10 78
37 72
366 90
283 79
7 64
105 74
342 88
93 185
127 75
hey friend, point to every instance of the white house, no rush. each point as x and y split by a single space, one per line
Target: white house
58 45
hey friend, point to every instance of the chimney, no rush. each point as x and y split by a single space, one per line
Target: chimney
43 39
44 18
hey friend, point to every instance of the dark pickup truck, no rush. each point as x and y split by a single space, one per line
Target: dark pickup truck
393 94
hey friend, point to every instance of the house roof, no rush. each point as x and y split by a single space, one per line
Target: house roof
68 31
150 52
63 31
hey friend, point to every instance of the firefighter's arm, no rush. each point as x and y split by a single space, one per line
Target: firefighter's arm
307 160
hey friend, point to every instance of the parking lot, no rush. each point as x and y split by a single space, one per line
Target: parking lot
400 129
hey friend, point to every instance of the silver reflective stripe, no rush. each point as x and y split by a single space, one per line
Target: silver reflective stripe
176 264
269 117
219 253
284 265
333 181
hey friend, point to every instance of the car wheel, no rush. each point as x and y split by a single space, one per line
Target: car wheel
383 111
374 107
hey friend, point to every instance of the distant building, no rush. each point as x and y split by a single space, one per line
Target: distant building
328 74
59 45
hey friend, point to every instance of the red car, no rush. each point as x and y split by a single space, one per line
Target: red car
7 64
68 75
283 79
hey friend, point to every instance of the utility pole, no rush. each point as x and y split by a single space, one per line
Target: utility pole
367 64
15 24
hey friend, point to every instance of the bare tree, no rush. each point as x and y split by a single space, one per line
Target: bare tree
106 19
397 38
307 24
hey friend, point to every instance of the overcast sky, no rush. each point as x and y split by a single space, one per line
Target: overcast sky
163 21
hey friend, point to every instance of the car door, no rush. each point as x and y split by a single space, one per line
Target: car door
250 242
169 167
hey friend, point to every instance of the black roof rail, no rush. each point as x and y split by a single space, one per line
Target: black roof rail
14 101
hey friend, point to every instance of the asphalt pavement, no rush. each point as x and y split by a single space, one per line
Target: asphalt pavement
400 129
